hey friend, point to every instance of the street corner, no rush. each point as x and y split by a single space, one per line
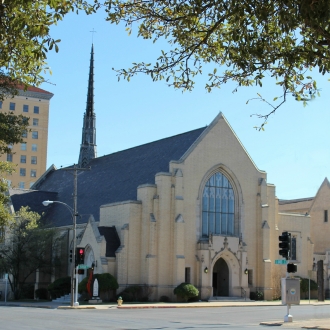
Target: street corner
76 307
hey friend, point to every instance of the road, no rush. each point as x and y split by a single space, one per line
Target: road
232 318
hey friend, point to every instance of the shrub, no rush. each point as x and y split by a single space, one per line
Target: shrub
258 295
60 287
136 293
107 283
186 291
164 299
27 291
42 293
82 286
304 286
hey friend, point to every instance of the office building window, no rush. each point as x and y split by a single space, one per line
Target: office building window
21 185
0 104
24 134
23 146
34 147
22 171
9 157
35 122
25 108
34 135
12 106
325 215
36 109
33 173
23 159
33 159
9 183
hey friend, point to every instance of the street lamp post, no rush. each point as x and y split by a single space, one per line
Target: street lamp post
74 298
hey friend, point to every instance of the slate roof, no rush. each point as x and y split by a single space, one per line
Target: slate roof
113 242
112 178
31 198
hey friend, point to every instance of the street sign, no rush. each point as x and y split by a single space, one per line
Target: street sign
83 267
280 262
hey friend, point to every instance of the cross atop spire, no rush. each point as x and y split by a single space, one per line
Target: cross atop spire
88 141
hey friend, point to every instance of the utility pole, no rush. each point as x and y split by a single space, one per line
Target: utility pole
75 170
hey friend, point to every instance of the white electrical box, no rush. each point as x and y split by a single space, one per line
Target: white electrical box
290 288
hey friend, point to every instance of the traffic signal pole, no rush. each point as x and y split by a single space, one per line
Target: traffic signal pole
74 276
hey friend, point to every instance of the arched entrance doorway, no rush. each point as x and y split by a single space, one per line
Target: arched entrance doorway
220 279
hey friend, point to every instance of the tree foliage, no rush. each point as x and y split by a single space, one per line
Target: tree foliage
246 39
304 286
27 248
11 132
5 216
25 37
12 128
186 291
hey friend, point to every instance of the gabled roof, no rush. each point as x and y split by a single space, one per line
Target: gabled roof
112 178
219 117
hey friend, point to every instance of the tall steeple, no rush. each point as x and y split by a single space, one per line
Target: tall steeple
88 141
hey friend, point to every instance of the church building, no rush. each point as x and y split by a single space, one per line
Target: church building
193 207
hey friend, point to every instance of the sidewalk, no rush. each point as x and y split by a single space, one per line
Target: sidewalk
320 324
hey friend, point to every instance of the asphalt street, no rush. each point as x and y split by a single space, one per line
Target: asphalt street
169 317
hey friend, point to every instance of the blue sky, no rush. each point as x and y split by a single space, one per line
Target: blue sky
293 150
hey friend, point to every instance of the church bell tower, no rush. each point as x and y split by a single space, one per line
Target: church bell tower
88 141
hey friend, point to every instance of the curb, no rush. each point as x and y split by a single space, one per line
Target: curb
76 307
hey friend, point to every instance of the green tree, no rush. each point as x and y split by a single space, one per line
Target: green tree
25 38
5 216
27 248
248 40
11 132
186 291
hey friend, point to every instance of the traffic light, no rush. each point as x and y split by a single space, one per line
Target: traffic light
80 256
70 256
284 245
291 268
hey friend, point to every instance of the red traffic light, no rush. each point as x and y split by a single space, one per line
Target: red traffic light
80 256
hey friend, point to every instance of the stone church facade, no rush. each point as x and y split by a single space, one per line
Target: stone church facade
189 208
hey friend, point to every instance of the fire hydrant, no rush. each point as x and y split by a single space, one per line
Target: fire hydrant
120 301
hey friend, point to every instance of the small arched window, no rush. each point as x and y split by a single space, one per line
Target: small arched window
218 206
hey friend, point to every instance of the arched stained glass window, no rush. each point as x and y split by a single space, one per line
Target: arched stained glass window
218 206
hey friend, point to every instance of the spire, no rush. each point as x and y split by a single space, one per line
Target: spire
90 92
88 141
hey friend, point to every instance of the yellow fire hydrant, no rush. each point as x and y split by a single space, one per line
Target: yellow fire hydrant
120 301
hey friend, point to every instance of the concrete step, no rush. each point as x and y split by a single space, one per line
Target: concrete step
66 298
